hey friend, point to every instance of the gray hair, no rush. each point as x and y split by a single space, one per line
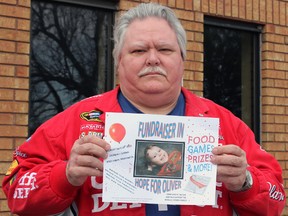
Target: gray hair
143 11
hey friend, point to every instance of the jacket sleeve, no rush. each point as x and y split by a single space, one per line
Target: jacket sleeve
267 195
36 182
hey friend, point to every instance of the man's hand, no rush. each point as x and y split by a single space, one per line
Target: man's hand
85 159
232 164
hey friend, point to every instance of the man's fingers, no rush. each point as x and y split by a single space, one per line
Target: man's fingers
229 160
89 161
228 149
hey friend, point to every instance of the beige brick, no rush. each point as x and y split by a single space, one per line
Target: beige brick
7 46
188 75
19 141
268 46
242 9
6 143
7 22
281 66
195 46
212 7
235 8
269 11
249 10
268 118
268 82
6 119
281 83
205 6
188 5
14 59
267 64
276 17
269 109
180 4
281 119
4 207
10 82
25 3
6 94
199 76
6 155
282 156
220 7
12 2
268 100
171 3
255 12
198 56
281 30
282 13
7 70
227 7
13 107
23 24
273 92
196 5
184 15
22 71
9 34
273 74
262 11
268 137
274 147
274 128
4 167
22 95
13 131
23 48
12 11
21 119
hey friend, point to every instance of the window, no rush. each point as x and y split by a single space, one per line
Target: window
232 68
71 55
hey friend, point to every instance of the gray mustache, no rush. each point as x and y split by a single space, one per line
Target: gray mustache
155 69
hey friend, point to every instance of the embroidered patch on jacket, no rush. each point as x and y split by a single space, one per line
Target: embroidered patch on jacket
13 165
91 116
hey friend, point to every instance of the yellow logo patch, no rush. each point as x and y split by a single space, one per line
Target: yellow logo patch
13 165
91 116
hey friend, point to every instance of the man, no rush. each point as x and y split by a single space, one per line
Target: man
55 169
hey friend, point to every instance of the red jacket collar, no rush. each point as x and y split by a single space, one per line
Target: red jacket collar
195 106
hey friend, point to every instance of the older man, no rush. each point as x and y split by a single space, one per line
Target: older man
55 169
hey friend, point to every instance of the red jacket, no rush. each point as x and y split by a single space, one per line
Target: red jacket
36 182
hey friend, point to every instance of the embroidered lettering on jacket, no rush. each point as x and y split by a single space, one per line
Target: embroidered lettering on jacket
274 193
25 185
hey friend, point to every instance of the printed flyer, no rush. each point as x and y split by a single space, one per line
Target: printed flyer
160 159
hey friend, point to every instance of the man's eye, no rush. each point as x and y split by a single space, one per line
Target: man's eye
138 51
165 50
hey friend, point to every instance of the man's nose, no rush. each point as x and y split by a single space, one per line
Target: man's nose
152 58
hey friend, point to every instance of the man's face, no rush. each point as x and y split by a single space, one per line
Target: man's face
152 44
157 155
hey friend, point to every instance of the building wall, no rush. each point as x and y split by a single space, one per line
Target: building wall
273 14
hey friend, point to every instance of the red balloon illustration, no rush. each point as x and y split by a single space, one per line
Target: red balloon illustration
117 132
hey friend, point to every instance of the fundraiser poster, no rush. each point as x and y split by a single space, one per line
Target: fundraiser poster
160 159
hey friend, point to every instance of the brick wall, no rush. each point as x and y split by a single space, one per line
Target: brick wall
14 81
273 14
